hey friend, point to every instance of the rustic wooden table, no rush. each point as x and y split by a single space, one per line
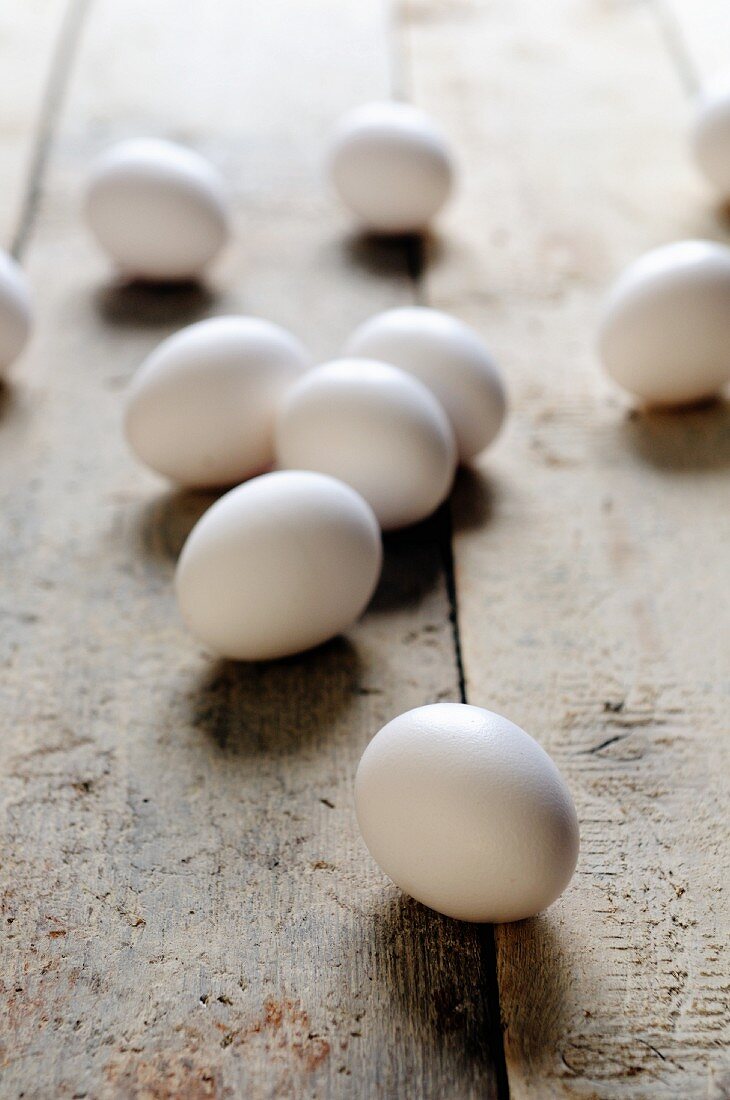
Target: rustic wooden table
188 910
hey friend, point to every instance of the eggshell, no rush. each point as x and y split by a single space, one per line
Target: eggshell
201 408
15 310
665 331
447 356
278 565
710 135
159 210
391 166
467 813
375 427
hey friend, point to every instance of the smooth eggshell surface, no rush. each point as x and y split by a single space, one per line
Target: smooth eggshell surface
278 565
391 166
374 427
15 310
202 406
159 210
710 136
447 356
665 331
467 813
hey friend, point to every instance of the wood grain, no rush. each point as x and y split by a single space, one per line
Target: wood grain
30 35
591 544
188 909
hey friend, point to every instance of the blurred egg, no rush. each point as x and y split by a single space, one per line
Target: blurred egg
391 166
15 310
374 427
467 813
665 331
710 135
159 210
202 406
447 356
278 565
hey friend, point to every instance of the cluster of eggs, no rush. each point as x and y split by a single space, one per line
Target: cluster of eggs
463 809
366 442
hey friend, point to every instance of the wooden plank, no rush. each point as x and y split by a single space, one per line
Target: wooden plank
29 34
697 33
591 544
189 911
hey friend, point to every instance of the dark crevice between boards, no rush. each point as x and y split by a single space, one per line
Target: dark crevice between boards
416 254
415 259
54 92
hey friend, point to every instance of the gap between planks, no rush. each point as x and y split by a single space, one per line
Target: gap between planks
59 72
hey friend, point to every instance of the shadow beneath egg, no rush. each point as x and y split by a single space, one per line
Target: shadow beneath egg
535 972
473 500
164 523
552 1018
137 303
17 409
393 254
431 999
276 707
8 400
722 217
412 564
436 983
418 558
688 439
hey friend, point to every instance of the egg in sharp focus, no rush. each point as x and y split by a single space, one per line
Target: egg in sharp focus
465 812
710 135
15 310
450 358
201 408
665 330
278 565
159 211
391 166
375 427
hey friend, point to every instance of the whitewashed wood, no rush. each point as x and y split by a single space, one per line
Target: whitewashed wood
29 32
699 32
591 547
188 909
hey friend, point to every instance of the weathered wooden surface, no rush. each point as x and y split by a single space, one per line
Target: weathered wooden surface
592 545
698 33
30 34
188 909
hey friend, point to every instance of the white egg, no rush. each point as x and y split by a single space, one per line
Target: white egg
159 210
467 813
374 427
278 565
710 135
391 166
202 406
447 356
15 310
665 331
